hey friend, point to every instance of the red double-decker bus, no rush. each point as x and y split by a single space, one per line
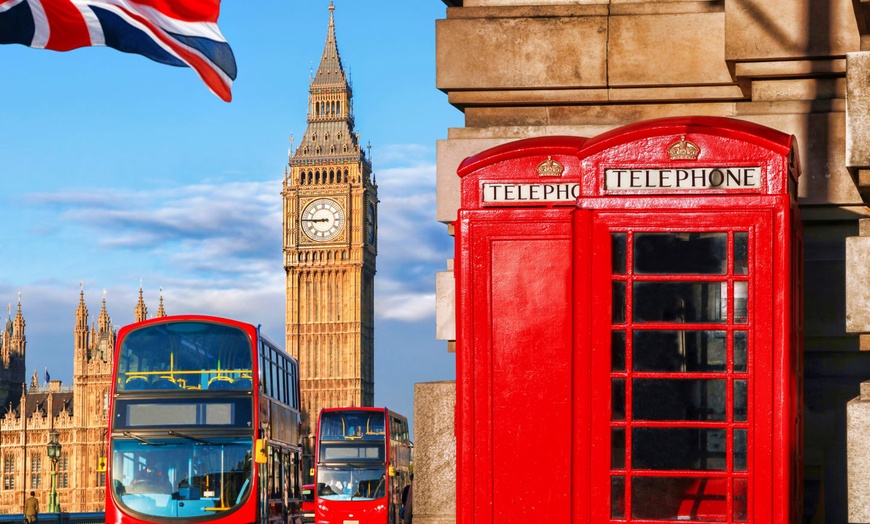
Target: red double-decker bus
363 459
204 425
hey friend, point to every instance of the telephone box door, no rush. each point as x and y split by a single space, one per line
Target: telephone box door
681 349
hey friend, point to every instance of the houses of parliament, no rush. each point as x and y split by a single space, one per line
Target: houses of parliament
330 245
30 410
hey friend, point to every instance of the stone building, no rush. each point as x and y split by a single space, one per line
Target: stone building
330 246
77 412
527 68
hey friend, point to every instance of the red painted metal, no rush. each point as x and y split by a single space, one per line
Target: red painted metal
551 425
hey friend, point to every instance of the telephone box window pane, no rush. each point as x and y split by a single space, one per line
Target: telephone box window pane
679 498
617 349
740 298
671 449
741 253
618 302
680 253
740 351
678 399
679 301
740 401
618 396
619 253
617 448
617 497
679 351
740 494
739 450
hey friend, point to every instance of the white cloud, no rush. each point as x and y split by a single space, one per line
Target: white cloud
215 248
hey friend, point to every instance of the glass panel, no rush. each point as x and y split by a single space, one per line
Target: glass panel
617 351
740 497
352 425
347 483
740 350
617 497
739 450
618 410
741 256
740 300
617 448
678 448
618 243
680 253
678 399
679 301
740 401
185 356
672 351
618 302
183 477
682 498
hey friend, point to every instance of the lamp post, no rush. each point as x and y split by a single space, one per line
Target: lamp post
53 449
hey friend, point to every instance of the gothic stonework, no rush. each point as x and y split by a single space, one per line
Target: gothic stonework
78 413
330 244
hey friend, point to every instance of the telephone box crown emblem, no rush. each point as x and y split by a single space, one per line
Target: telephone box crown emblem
550 167
683 150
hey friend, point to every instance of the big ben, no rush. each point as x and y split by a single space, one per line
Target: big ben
330 245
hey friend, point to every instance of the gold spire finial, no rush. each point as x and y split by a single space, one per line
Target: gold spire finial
331 7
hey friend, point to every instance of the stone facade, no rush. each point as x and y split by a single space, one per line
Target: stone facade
524 68
330 246
79 413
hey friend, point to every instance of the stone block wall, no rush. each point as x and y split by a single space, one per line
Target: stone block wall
524 68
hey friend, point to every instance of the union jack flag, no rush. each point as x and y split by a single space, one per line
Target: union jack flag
176 32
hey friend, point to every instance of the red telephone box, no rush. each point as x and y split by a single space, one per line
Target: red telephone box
628 327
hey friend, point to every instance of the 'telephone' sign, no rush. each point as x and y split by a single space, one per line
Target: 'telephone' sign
700 178
531 192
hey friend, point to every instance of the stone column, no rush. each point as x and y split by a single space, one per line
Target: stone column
858 456
435 453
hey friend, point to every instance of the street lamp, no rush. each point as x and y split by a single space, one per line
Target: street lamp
53 449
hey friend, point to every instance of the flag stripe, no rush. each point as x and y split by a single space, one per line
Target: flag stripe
219 53
199 11
6 5
67 28
203 65
16 24
218 83
121 35
173 32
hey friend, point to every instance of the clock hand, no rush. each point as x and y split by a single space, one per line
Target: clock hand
314 220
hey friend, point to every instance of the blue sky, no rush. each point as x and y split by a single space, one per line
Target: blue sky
116 170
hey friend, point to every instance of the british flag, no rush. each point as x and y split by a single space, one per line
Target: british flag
176 32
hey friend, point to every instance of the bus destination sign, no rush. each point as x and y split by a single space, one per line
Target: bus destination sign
689 179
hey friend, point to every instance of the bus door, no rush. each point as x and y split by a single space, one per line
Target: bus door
680 349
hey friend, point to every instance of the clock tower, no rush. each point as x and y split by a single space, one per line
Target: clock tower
330 245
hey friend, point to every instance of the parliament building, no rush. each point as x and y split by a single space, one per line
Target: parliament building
31 410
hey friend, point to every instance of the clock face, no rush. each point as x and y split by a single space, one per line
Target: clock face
322 220
370 224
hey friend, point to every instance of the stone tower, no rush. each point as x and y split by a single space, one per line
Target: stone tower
330 245
12 350
93 351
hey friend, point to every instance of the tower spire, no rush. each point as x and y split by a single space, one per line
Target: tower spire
160 311
141 311
330 135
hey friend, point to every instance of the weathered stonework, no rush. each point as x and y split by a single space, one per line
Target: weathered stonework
79 413
524 68
435 453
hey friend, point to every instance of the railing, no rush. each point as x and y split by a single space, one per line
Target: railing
59 518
